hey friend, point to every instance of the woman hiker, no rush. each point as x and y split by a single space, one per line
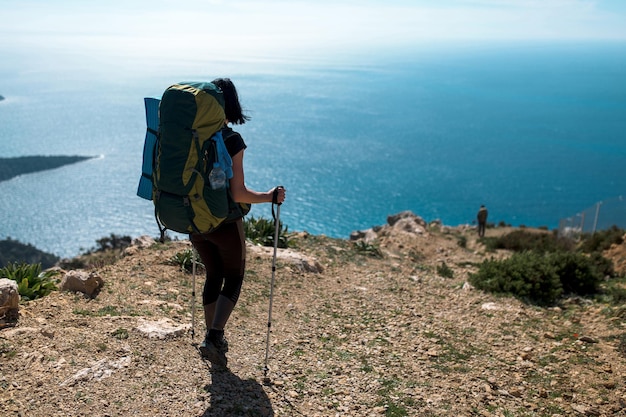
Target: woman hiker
223 251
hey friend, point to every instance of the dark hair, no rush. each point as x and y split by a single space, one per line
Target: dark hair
232 107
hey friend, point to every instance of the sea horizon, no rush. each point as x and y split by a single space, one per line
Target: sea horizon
533 131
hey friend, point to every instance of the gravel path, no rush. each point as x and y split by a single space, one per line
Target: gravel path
366 336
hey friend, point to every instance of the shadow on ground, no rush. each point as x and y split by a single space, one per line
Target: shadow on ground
232 396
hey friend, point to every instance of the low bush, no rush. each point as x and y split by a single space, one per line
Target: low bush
602 240
577 272
261 231
523 240
443 270
539 278
31 282
526 275
367 249
107 251
614 293
185 260
112 242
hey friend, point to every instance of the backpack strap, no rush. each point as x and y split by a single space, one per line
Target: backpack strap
190 214
160 225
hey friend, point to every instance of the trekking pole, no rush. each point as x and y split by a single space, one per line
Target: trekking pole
193 293
269 318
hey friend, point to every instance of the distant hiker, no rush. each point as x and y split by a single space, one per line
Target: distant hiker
223 251
482 220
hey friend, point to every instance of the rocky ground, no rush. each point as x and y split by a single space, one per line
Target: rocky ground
353 334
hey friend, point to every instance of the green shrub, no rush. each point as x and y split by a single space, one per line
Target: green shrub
577 273
602 240
523 240
185 260
112 242
445 271
539 278
528 276
368 249
603 265
106 252
261 231
31 282
120 334
614 292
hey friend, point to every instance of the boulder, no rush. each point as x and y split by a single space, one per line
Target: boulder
368 236
407 216
89 283
410 225
405 222
138 244
143 242
9 299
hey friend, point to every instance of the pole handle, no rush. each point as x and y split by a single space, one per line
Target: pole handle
275 194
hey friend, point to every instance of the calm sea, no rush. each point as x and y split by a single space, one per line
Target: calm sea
536 133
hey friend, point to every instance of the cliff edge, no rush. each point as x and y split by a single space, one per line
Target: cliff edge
357 329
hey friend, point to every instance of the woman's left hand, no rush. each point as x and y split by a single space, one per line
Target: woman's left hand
278 195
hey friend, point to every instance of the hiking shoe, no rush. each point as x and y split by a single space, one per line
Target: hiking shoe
219 341
214 348
209 351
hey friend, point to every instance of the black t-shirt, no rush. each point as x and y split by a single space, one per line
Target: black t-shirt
233 141
234 144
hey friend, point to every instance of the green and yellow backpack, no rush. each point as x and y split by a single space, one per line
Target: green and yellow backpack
183 143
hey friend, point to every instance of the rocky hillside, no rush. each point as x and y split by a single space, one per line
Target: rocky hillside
368 329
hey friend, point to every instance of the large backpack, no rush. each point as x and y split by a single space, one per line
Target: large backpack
179 155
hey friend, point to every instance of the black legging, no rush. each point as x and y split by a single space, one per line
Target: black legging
223 253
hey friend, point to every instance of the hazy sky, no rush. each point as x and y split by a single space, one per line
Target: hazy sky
275 27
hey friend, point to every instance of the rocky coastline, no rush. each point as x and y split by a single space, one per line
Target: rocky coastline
12 167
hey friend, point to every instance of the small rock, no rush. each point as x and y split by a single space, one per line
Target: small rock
609 384
47 333
588 339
